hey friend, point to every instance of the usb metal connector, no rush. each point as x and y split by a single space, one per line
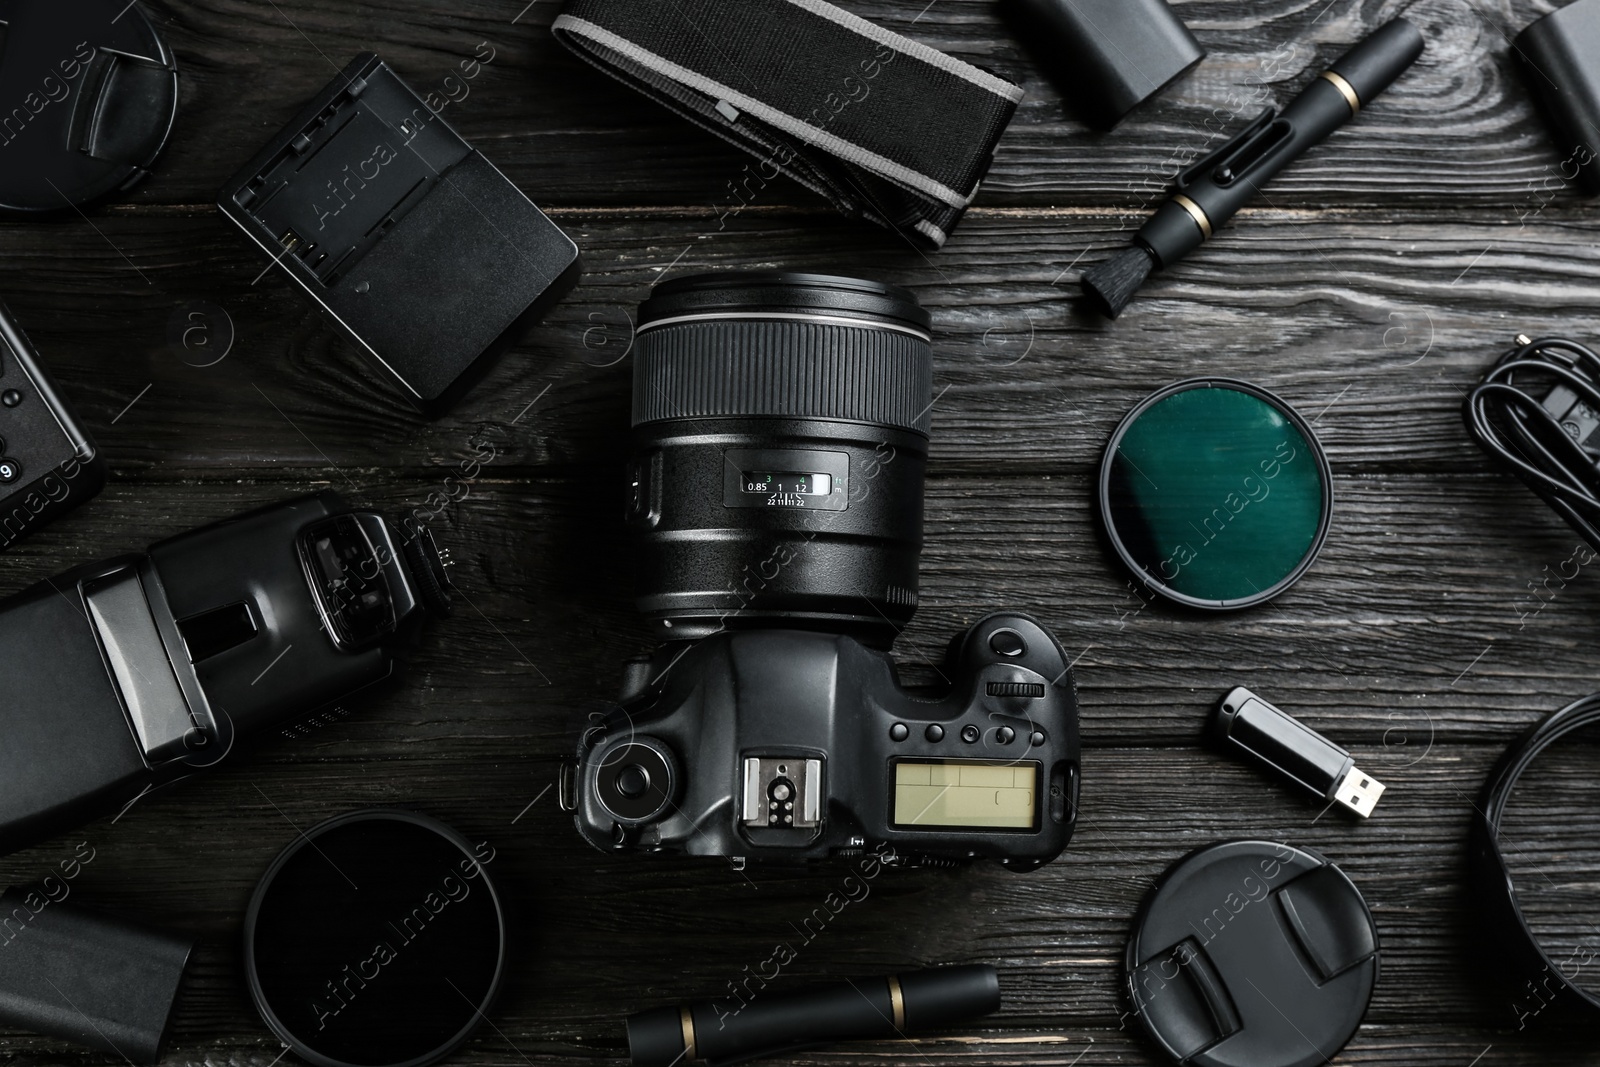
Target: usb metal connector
1359 791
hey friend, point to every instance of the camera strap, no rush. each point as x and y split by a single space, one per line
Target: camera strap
887 129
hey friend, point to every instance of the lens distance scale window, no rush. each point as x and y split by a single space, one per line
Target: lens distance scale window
786 478
778 486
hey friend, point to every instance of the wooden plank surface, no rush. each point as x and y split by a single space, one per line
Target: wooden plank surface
1370 288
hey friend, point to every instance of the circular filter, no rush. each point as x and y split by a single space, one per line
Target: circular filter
1216 493
1252 954
88 91
377 939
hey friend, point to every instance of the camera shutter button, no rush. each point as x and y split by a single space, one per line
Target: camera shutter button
632 781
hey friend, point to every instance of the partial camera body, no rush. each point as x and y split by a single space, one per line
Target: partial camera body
798 745
131 673
48 463
781 436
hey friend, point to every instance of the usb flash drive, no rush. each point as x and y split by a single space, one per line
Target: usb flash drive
1267 735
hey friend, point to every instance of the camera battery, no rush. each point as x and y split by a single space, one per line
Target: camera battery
432 261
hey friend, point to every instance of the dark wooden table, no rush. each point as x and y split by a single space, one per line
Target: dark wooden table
1370 288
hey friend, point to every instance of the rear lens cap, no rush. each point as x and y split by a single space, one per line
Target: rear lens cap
1252 954
376 939
1216 493
88 93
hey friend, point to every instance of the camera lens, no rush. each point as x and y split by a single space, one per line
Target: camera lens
781 436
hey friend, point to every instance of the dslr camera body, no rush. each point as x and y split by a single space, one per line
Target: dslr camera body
799 745
781 432
134 672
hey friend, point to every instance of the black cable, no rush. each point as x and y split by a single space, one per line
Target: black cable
1536 413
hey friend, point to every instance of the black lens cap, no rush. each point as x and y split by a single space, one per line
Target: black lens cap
1252 954
376 939
88 93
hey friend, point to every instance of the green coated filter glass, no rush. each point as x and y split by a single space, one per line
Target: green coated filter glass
1216 492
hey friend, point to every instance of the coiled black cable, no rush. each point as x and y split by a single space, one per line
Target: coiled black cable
1507 416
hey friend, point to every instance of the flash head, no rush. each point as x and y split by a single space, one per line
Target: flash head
133 672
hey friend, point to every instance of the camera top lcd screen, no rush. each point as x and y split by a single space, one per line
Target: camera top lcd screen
968 795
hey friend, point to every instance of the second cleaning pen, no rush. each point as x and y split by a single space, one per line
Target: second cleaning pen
1211 190
720 1033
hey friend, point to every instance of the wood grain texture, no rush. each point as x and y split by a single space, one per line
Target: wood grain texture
1376 329
1369 287
569 135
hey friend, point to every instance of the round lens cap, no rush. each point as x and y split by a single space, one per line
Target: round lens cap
1216 493
88 93
376 939
1252 954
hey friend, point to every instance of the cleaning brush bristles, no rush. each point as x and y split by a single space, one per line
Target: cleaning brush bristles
1110 285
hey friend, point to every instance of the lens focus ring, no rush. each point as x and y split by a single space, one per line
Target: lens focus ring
785 368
